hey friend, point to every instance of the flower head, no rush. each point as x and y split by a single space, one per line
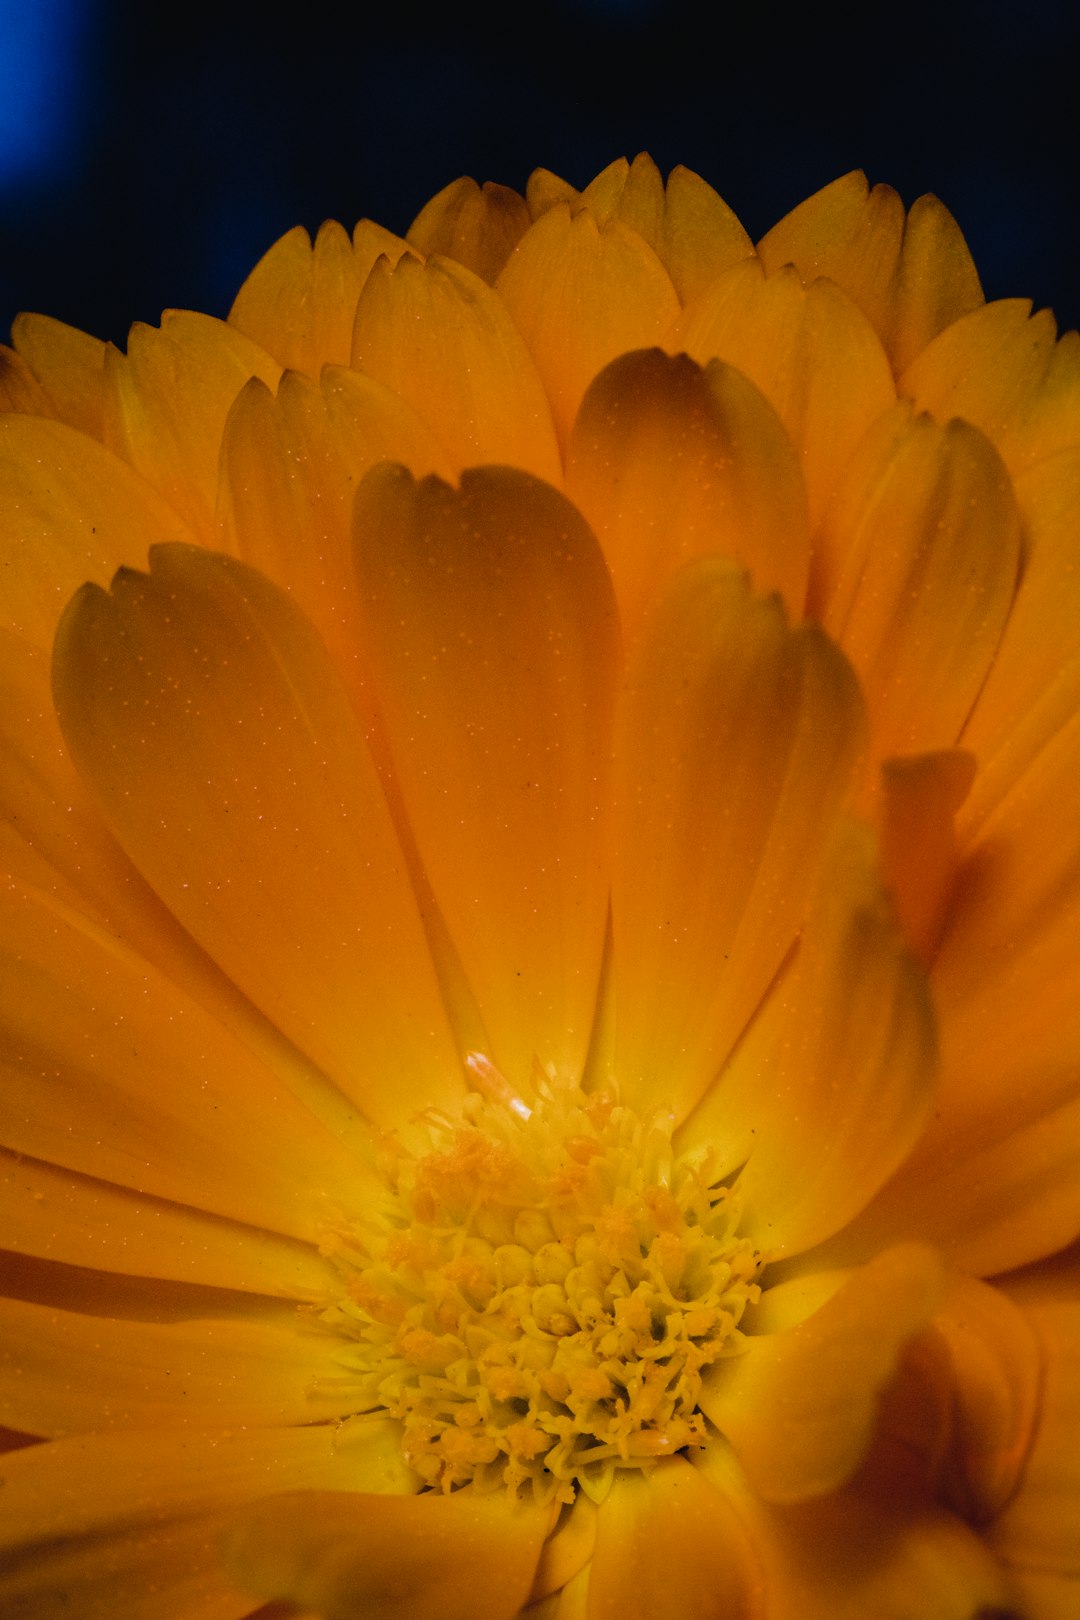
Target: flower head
540 917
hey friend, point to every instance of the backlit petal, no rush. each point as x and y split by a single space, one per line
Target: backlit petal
299 302
203 710
439 337
69 365
72 511
911 276
493 639
810 350
581 293
923 545
479 226
831 1085
668 462
737 742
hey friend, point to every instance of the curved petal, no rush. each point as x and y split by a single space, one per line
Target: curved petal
459 1557
833 1081
166 402
670 1546
290 467
1001 368
810 350
668 462
799 1406
95 1037
96 1485
920 797
203 710
72 511
738 739
1033 689
479 226
69 365
59 1215
62 1373
581 293
923 545
863 1552
911 276
439 337
299 302
1038 1534
689 227
494 647
152 1572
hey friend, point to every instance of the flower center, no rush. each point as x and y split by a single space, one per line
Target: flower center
539 1299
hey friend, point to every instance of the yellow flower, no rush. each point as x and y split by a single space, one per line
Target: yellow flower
541 1054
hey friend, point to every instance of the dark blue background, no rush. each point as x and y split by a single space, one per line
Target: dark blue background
148 155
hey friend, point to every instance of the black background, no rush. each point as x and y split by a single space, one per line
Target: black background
207 130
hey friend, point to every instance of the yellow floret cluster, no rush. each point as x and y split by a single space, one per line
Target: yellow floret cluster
538 1306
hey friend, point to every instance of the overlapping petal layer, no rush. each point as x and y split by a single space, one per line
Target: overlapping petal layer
479 654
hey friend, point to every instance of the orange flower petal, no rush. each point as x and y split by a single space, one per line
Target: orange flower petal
57 1215
289 471
582 293
689 227
493 640
737 742
60 1370
69 365
167 400
667 462
158 1572
400 1557
921 795
923 545
1033 689
479 226
202 708
1005 373
853 1004
299 302
670 1546
810 350
87 1485
861 1553
439 337
799 1406
911 276
1038 1534
72 511
194 1118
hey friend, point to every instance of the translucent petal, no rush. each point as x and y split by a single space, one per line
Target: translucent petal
203 710
810 350
69 365
923 544
831 1086
166 402
479 226
494 648
581 293
439 337
738 739
72 511
668 461
911 276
